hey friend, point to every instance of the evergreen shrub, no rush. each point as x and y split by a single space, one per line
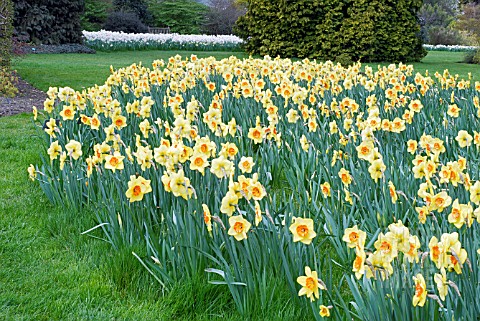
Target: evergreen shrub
351 30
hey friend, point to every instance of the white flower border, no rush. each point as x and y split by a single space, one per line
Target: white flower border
121 37
449 48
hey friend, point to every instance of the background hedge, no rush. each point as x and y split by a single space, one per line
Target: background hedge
6 29
341 30
49 21
7 79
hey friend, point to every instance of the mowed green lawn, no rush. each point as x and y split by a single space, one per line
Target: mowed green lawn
49 271
81 71
453 61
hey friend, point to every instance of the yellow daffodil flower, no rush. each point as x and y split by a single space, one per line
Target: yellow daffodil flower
354 237
199 162
310 284
442 284
74 149
32 173
345 176
137 188
324 311
420 295
246 164
326 189
114 162
229 203
464 139
475 193
207 217
302 230
239 227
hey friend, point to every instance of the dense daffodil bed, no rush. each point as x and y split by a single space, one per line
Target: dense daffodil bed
356 188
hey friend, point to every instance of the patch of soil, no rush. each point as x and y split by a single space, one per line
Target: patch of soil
24 48
27 97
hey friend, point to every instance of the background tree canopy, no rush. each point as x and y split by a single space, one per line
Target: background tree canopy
436 20
182 16
222 15
95 14
138 7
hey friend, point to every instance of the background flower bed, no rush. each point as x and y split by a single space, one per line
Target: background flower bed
112 41
450 48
